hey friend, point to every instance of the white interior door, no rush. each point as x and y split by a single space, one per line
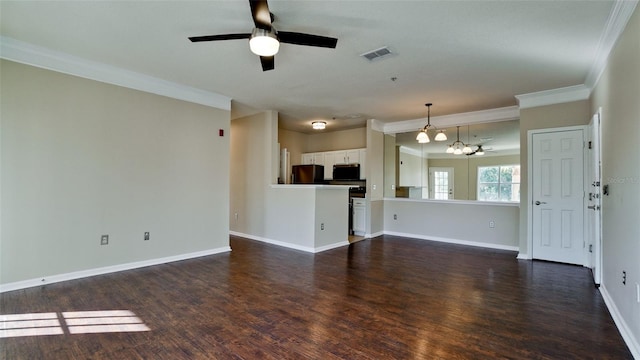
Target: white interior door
558 196
594 214
441 183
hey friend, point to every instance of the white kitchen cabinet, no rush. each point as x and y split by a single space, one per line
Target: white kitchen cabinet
318 158
353 156
359 216
340 157
337 157
307 159
313 158
329 161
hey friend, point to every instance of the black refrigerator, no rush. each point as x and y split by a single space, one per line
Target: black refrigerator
307 174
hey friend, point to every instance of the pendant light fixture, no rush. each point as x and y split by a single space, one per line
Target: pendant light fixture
423 137
458 147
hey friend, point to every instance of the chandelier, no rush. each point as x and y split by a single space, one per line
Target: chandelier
423 137
458 147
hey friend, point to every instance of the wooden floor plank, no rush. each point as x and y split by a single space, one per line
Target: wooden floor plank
389 297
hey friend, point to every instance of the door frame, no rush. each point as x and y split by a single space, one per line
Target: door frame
450 180
595 257
530 133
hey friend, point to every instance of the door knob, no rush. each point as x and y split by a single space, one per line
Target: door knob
540 202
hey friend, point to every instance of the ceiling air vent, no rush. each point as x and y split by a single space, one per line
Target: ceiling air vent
376 54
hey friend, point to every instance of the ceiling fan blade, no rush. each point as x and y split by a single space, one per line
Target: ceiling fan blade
260 14
219 37
307 39
268 62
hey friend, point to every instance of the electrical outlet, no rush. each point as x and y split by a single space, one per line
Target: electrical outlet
492 224
146 235
393 187
624 277
374 186
395 216
236 216
322 226
104 240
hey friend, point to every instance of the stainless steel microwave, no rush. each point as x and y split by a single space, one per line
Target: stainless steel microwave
346 172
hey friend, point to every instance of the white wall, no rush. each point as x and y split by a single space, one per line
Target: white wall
453 221
617 92
82 158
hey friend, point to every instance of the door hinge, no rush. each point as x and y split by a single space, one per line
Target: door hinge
590 248
590 146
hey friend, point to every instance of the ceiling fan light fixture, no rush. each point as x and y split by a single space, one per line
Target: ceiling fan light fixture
479 150
450 149
457 151
422 137
264 42
441 136
466 149
319 125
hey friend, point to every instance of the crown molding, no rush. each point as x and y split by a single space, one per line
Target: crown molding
616 23
25 53
554 96
469 118
376 125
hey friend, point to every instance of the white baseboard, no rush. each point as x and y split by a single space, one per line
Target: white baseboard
454 241
371 236
523 256
627 335
106 270
290 245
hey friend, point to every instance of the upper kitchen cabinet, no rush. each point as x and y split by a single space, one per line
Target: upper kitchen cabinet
347 156
338 157
313 159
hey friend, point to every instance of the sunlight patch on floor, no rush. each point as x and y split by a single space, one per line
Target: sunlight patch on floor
71 322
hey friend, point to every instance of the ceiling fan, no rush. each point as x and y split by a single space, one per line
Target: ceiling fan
265 40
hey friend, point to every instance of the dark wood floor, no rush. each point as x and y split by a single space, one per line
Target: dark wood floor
386 298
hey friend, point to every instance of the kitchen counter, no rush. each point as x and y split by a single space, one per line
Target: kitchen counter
308 217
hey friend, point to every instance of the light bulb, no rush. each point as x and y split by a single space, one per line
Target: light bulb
450 150
457 151
466 149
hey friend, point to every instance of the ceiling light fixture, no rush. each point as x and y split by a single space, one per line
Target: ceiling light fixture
458 147
423 137
264 42
319 125
479 150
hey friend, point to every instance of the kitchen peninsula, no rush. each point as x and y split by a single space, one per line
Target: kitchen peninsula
310 218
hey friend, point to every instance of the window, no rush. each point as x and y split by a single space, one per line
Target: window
499 183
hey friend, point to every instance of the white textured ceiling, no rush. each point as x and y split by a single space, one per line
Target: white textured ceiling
460 55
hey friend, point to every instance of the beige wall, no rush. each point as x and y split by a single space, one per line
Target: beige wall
375 179
337 140
544 117
253 139
294 142
82 158
390 173
618 94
